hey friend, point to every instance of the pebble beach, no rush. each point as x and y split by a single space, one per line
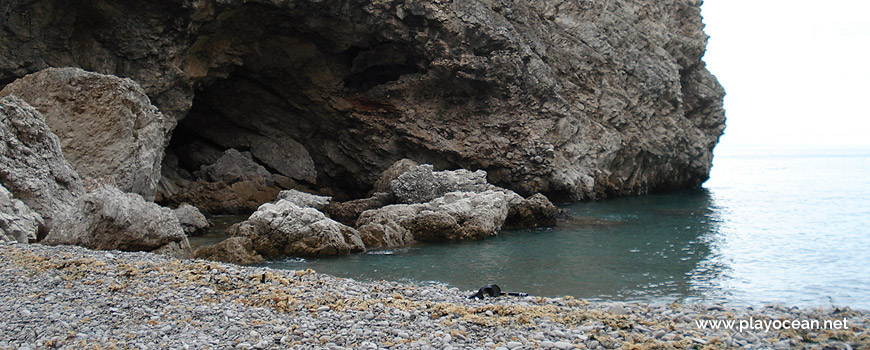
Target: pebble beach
74 298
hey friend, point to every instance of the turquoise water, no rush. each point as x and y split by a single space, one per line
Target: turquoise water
772 225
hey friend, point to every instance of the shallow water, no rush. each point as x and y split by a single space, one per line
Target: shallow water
772 225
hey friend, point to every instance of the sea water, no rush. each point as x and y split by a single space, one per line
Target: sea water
788 225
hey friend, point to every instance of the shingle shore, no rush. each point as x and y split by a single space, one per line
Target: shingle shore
71 297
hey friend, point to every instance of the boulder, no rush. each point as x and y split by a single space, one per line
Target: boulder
455 216
234 166
191 219
286 229
286 156
535 211
218 197
32 166
195 154
393 172
348 212
107 125
305 200
18 222
419 184
235 250
109 219
179 249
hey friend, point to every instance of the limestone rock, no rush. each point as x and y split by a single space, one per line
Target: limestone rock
236 250
191 219
235 166
219 197
535 211
574 99
348 212
32 166
455 216
107 125
285 229
178 249
109 219
394 171
286 156
18 222
417 184
305 200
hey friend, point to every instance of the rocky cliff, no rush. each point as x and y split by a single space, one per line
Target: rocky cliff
576 99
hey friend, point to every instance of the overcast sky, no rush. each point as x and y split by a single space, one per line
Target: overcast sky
796 72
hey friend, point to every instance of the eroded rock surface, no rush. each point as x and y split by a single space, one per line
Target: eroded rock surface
454 217
582 99
32 166
285 229
18 222
108 219
107 125
236 250
191 219
305 200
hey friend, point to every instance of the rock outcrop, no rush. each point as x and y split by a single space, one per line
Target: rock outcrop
108 219
32 166
236 250
106 125
305 200
285 229
582 99
18 222
191 219
454 217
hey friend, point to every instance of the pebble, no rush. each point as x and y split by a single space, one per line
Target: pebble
48 293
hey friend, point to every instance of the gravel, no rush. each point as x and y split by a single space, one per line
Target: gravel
71 297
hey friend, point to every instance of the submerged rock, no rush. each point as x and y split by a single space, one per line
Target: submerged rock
236 250
32 166
191 219
107 125
109 219
286 229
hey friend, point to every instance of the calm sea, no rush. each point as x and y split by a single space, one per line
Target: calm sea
788 225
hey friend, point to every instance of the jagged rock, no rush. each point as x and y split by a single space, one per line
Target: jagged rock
235 166
305 200
191 219
347 212
106 125
108 219
455 216
575 99
285 229
417 184
236 250
178 249
18 222
535 211
393 172
32 166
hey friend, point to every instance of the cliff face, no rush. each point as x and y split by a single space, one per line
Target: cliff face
576 99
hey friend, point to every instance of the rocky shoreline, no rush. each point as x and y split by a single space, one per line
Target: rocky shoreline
72 297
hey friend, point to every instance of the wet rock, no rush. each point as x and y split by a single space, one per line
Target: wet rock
18 222
32 166
191 219
535 211
236 250
108 219
235 166
285 229
453 217
305 200
107 125
348 212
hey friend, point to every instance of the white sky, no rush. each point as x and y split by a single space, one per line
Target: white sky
795 72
